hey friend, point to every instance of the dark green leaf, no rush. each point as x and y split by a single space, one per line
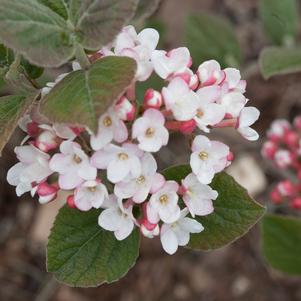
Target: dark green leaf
276 61
12 108
32 70
211 37
6 58
80 253
37 32
58 6
280 20
97 22
83 95
282 243
235 212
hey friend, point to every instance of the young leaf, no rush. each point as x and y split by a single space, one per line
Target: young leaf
280 20
83 95
211 37
12 108
80 253
97 22
235 212
37 32
276 61
281 237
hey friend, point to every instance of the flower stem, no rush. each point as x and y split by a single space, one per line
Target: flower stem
81 57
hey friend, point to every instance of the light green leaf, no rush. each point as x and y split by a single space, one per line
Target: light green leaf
211 37
276 61
235 212
35 31
6 58
83 95
282 243
12 108
80 253
97 22
280 20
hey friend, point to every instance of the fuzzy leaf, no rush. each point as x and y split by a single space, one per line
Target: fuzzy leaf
145 9
58 6
280 20
282 243
12 108
205 41
83 95
80 253
277 61
235 212
97 22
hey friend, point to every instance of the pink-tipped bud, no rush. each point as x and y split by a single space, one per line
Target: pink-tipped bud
189 63
230 157
286 188
125 109
46 192
269 149
47 141
148 229
291 138
152 99
283 158
296 203
275 196
187 127
70 201
33 129
77 130
297 123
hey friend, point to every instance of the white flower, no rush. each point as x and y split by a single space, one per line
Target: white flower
178 233
169 63
116 218
180 99
32 169
247 117
233 80
283 158
125 109
208 112
90 194
45 191
208 158
110 127
138 188
233 102
278 128
150 131
120 162
197 196
73 165
210 73
163 204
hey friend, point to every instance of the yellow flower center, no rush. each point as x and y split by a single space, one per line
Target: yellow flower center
203 155
140 180
199 113
77 159
123 156
107 121
163 199
149 132
92 189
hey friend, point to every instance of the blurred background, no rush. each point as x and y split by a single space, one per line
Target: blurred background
236 272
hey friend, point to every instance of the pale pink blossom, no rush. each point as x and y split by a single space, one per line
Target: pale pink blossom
73 165
247 117
278 129
110 127
178 233
210 73
117 218
233 102
150 131
233 80
198 197
283 158
125 109
208 158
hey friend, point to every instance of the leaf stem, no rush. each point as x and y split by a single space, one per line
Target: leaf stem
81 57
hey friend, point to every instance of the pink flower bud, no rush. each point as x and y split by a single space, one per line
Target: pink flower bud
187 127
230 157
152 99
33 129
45 189
47 141
291 138
125 109
276 196
296 203
286 188
269 149
70 201
297 122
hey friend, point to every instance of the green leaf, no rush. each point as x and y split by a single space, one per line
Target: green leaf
6 58
280 20
235 212
97 22
35 31
83 95
80 253
211 37
145 9
32 70
12 108
58 6
281 237
276 61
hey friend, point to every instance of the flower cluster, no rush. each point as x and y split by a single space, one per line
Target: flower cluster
283 148
115 168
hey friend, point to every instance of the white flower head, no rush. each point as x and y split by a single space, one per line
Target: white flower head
208 158
210 73
178 233
150 131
